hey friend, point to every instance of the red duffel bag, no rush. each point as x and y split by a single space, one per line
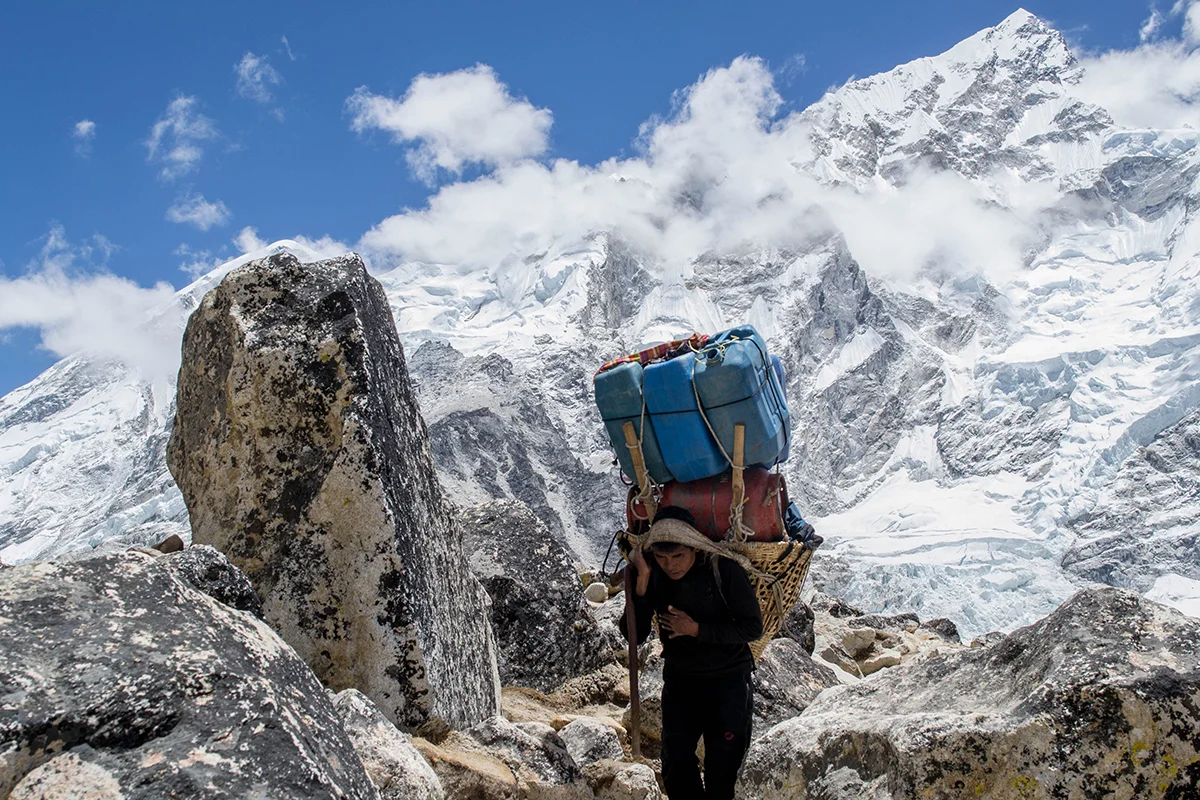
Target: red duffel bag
709 501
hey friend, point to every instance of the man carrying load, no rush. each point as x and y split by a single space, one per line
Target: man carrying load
708 614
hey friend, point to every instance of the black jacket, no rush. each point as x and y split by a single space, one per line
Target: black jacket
729 617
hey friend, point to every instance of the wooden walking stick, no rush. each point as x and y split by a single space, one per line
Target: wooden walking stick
635 703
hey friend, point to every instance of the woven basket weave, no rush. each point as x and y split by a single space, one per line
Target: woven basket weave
787 565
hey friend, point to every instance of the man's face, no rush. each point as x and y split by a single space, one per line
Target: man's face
677 562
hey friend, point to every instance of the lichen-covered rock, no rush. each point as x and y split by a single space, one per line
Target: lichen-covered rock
116 672
208 570
545 632
1099 699
786 681
394 765
303 457
589 740
617 780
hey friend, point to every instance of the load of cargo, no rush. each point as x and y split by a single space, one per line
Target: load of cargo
702 423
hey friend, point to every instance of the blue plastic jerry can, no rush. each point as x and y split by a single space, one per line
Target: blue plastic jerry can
619 398
781 377
687 447
738 385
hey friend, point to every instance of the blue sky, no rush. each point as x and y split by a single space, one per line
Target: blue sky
256 126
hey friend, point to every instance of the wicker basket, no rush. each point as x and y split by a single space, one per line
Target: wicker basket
787 564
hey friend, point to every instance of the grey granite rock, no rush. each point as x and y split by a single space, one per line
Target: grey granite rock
302 456
589 740
116 672
619 780
545 630
786 681
798 626
944 628
206 569
1100 697
535 753
395 766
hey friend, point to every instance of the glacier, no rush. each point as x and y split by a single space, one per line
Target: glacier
983 423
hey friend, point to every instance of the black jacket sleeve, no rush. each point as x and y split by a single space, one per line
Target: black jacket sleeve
745 623
643 611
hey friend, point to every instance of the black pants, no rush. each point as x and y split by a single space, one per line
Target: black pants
720 710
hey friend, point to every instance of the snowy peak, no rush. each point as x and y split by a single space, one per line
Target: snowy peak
987 103
1021 37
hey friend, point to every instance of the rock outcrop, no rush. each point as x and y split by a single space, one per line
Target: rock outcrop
786 681
302 456
544 629
1101 698
119 679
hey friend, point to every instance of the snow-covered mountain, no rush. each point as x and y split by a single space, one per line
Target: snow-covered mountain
979 426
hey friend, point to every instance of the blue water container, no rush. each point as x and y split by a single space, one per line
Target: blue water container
777 363
619 398
687 447
738 384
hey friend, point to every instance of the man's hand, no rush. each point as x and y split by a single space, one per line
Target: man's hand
678 623
643 570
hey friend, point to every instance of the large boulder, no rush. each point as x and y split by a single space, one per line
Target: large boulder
786 681
302 455
544 627
117 676
1101 698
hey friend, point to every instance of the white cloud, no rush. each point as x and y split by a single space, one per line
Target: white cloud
84 132
196 262
715 176
195 210
177 139
247 240
1155 85
256 77
1191 23
1151 26
77 306
287 47
793 67
456 119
